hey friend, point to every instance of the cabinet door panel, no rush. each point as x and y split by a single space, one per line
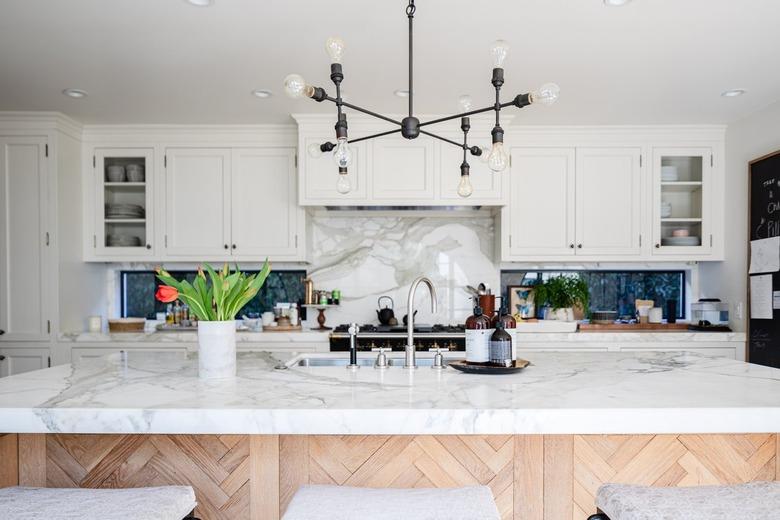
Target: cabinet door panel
22 359
320 174
541 211
197 202
608 201
23 252
486 183
265 215
402 170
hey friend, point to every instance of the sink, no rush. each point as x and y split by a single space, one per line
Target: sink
342 360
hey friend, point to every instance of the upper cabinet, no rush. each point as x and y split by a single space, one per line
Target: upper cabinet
24 239
682 201
195 204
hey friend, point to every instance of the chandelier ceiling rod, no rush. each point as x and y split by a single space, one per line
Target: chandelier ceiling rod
410 126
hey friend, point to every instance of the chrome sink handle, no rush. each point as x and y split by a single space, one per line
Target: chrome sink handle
381 359
438 359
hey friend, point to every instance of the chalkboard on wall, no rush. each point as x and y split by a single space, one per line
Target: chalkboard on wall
764 222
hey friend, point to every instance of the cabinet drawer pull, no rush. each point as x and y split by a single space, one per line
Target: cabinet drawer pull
658 246
148 246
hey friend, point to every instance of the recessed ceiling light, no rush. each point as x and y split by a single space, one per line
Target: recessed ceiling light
75 93
733 92
401 93
616 3
262 93
201 3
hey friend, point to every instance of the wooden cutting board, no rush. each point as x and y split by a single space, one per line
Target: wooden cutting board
633 327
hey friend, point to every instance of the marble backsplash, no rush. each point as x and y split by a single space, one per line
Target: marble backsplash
368 257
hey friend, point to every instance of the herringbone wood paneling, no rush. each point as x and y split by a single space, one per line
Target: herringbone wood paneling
667 460
216 466
402 462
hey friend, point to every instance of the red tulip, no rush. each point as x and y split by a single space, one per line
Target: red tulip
167 294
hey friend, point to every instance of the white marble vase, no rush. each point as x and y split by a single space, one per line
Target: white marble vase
216 349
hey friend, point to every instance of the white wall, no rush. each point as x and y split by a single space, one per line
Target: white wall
746 139
81 285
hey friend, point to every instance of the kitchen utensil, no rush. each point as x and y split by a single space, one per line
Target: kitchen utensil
406 318
126 325
470 368
682 232
385 314
482 289
115 173
603 317
681 241
472 291
656 315
134 173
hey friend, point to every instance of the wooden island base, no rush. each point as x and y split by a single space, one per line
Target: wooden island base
533 477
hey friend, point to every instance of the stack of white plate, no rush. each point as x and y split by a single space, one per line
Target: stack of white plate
122 241
681 241
669 174
123 211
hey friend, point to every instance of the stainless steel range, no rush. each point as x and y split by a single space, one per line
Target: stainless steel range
426 338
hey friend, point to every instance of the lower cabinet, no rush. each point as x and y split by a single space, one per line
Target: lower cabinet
16 360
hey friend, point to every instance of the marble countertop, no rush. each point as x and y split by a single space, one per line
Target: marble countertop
595 392
304 336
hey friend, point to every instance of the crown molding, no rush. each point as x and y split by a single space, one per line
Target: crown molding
41 120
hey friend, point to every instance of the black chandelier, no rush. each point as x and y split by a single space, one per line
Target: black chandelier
410 127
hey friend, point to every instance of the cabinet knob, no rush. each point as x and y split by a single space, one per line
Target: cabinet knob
148 246
658 246
233 246
579 246
2 357
2 332
571 246
226 246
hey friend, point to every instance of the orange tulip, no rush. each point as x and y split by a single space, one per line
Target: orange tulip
167 294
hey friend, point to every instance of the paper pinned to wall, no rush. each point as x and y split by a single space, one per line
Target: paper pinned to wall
765 255
776 300
761 297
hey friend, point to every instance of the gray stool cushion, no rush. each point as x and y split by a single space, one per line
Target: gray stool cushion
754 501
153 503
351 503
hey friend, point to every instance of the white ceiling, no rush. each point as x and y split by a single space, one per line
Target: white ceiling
165 61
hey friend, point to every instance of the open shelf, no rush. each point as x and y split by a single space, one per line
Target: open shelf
673 219
124 184
125 220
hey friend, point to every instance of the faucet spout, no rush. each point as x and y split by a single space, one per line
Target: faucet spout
410 360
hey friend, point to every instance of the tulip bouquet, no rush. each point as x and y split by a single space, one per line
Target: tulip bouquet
217 298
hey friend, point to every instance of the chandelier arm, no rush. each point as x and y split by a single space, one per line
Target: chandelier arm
381 134
440 138
466 114
365 111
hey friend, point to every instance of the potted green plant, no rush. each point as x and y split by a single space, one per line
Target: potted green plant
215 300
561 294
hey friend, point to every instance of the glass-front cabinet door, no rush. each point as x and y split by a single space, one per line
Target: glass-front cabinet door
682 186
124 185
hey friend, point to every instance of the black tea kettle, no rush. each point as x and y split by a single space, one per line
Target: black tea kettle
385 315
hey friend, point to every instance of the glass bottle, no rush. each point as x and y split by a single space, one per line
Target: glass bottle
501 347
510 326
169 314
477 337
177 313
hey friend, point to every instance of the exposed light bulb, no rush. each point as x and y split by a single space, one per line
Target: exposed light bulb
335 48
342 155
343 185
498 160
547 94
314 150
485 154
499 50
295 86
464 102
464 186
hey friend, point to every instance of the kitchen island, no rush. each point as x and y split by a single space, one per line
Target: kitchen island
543 439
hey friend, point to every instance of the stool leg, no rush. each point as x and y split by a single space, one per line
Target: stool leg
598 516
191 516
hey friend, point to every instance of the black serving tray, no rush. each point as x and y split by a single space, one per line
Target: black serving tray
471 368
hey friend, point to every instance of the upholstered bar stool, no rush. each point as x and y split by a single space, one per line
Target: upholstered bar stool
753 501
350 503
152 503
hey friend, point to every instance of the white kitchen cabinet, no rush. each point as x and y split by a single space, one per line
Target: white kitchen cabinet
318 175
24 240
608 201
403 169
16 360
265 218
116 198
197 202
682 201
539 220
487 184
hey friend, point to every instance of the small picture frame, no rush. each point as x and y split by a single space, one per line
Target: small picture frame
521 301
